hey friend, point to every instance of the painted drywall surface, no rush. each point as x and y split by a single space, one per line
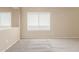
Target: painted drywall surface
8 37
64 23
15 15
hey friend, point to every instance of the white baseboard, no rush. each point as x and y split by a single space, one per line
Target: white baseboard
66 37
54 38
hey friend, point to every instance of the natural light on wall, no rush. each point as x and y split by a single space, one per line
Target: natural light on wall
5 19
38 21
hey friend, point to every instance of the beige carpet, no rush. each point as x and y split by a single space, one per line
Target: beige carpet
45 45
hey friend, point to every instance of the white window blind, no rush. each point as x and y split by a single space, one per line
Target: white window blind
38 21
5 19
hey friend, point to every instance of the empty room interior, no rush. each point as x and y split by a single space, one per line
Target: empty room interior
39 29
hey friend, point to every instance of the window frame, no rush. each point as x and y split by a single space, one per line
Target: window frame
1 25
40 29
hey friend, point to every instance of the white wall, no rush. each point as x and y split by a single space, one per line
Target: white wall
8 37
64 22
15 15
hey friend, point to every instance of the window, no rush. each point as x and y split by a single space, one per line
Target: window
38 21
5 19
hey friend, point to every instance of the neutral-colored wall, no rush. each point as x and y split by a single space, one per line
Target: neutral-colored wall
15 14
64 23
8 37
